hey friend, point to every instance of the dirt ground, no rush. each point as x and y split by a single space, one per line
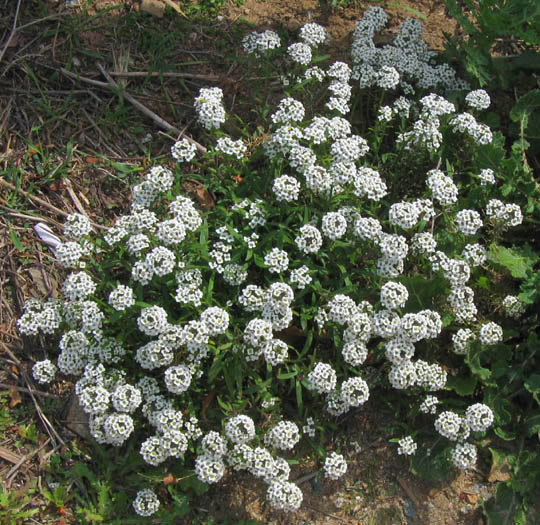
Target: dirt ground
378 488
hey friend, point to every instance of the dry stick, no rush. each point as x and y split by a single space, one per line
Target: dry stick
91 81
156 118
41 415
6 454
30 217
11 474
42 202
175 7
13 31
27 390
171 74
74 198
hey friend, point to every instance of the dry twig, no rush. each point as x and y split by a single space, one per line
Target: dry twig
13 31
42 202
11 474
149 113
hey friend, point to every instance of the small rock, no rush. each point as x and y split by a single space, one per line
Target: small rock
410 509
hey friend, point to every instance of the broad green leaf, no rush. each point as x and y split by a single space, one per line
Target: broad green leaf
501 508
518 261
464 386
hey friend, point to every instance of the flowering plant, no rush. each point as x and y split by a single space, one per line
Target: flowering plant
330 264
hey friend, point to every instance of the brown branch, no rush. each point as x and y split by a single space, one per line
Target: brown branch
171 74
42 202
13 31
143 109
27 390
10 475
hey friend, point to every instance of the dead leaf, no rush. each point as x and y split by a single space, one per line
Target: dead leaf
205 199
169 479
206 403
57 185
175 7
92 160
14 369
237 178
154 7
502 472
14 397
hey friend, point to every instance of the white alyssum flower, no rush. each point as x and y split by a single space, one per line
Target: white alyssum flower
122 298
178 378
277 260
234 148
468 221
334 225
209 469
407 446
286 188
322 378
490 333
240 429
463 455
335 466
146 503
300 52
478 99
448 425
354 391
479 417
284 495
284 436
183 150
313 34
44 371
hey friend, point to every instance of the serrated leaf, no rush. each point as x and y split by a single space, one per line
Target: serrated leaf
525 105
518 261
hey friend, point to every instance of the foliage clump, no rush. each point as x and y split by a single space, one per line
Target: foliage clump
363 222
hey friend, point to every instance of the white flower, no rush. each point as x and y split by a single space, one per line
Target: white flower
407 446
335 466
146 503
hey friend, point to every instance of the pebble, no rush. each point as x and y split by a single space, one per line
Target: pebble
410 509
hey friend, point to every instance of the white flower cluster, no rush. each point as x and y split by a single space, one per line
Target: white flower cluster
209 107
407 446
260 43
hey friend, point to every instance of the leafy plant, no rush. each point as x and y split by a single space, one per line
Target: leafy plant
312 267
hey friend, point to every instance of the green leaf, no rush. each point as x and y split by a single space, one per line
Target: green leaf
288 375
532 384
430 467
518 261
525 106
299 400
193 483
533 424
501 508
473 360
464 386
